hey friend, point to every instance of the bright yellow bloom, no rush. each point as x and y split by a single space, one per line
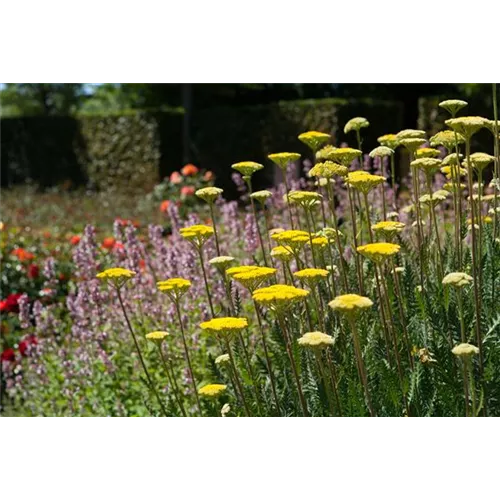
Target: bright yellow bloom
118 276
467 125
389 140
446 138
157 336
212 390
255 277
314 139
411 134
261 196
453 106
282 253
412 143
350 304
197 234
451 159
378 252
458 280
175 288
209 194
427 165
279 296
450 186
356 124
465 350
328 169
224 326
330 234
325 153
311 276
388 228
240 269
344 156
247 168
427 153
294 238
434 198
381 152
453 169
480 161
316 340
319 241
306 199
282 160
364 181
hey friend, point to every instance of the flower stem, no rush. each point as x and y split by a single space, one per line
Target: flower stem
207 289
172 381
236 376
211 205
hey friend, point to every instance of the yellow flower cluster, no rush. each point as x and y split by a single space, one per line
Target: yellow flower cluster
212 390
364 181
465 350
447 139
427 165
457 279
434 198
388 228
480 161
282 160
453 106
350 304
175 288
454 170
157 336
467 125
314 139
293 238
389 140
410 134
255 277
306 199
261 196
197 234
381 152
224 326
209 194
282 253
279 296
247 168
222 262
328 169
316 340
344 156
117 276
378 252
319 241
356 124
427 153
311 276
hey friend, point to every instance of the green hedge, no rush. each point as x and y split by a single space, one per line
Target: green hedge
132 150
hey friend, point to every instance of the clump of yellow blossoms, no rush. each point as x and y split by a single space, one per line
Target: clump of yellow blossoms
465 350
450 186
389 228
197 234
389 140
240 269
261 196
364 181
434 198
224 326
255 277
330 234
410 134
350 304
117 276
209 194
212 390
328 169
222 359
451 159
381 152
157 336
467 125
427 153
344 156
279 296
311 276
458 280
247 168
319 241
316 340
294 238
282 160
356 124
427 165
282 253
454 170
314 139
412 143
480 161
175 288
453 106
221 262
378 252
306 199
447 139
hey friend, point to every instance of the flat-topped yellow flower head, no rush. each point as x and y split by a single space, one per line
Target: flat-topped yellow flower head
311 276
116 276
319 242
157 336
350 304
356 124
381 152
389 140
255 277
434 198
451 187
364 181
293 238
316 340
209 194
427 153
175 288
453 171
282 160
412 143
447 138
388 228
344 156
453 106
378 252
330 234
227 326
453 159
197 234
212 390
283 253
465 350
428 165
305 199
240 269
467 125
410 133
261 196
325 153
457 279
327 170
222 262
480 161
279 296
247 168
314 140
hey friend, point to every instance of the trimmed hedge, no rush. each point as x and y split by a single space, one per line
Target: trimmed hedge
136 149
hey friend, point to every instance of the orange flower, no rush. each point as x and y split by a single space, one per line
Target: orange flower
118 246
175 178
109 243
189 169
164 206
142 264
74 240
22 254
209 175
187 191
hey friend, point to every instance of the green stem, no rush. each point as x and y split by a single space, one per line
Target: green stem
172 381
207 289
237 378
211 205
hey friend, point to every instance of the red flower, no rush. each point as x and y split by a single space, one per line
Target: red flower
164 206
22 254
189 169
175 178
33 271
8 355
118 246
209 175
74 240
187 191
27 342
109 243
10 304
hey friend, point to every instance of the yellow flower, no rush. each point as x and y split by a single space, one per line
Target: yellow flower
157 336
197 234
279 296
175 288
434 198
458 280
412 143
293 238
117 276
480 161
327 170
314 139
330 234
427 153
388 228
247 168
356 124
450 186
222 262
209 194
319 241
254 278
344 156
364 181
316 340
446 138
457 171
465 350
427 165
311 276
282 160
381 151
467 125
224 326
389 140
222 359
306 199
282 253
453 106
212 390
411 134
451 159
378 252
325 153
350 304
240 269
261 196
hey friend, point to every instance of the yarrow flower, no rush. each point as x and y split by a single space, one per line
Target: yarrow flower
261 196
457 279
222 359
157 336
282 253
240 269
311 276
467 125
378 252
350 304
412 143
306 199
117 276
427 165
293 238
247 168
212 390
279 296
197 234
314 139
209 194
453 170
427 153
175 288
453 106
282 160
389 140
381 152
221 262
411 134
330 234
447 139
465 350
255 277
364 181
328 169
480 161
388 228
356 124
316 340
319 241
224 326
434 198
344 156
